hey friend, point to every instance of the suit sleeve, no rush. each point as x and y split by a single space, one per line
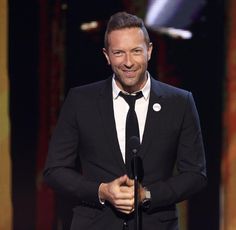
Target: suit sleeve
190 163
61 171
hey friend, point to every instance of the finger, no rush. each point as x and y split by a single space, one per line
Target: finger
129 182
125 209
121 198
125 212
124 195
127 190
124 203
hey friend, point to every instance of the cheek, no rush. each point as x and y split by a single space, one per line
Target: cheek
143 61
116 62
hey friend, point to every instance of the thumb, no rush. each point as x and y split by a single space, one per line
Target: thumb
121 180
130 182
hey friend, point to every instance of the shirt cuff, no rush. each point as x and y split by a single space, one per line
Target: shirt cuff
102 201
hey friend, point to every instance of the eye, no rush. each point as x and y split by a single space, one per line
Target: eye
137 51
117 53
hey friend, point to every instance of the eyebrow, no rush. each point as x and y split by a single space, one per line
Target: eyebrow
121 50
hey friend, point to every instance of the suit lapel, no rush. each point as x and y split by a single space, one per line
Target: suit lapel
153 116
107 115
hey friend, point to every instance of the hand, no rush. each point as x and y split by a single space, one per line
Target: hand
120 193
141 195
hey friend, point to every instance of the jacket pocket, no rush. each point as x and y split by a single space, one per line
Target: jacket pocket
167 216
87 211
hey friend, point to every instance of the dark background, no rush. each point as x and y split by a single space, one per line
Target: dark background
198 65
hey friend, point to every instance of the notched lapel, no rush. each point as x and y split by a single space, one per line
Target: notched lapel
107 114
154 114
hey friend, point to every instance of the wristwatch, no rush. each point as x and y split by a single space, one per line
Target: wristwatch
147 200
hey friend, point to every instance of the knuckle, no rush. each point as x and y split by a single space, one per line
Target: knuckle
115 196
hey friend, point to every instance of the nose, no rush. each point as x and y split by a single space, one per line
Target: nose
128 62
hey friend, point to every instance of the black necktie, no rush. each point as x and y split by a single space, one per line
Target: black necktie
132 128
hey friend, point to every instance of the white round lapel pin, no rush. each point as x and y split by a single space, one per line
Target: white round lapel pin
156 107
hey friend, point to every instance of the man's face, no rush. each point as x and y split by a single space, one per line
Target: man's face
128 55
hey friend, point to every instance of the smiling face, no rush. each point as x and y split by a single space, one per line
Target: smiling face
128 54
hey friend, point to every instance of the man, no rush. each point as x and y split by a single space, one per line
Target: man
87 154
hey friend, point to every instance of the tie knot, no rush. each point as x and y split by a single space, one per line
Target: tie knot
130 99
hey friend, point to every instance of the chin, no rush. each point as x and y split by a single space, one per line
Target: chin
130 84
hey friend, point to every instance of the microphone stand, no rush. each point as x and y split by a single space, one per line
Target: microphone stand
136 165
136 190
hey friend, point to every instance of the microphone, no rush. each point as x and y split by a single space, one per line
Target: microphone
136 162
134 144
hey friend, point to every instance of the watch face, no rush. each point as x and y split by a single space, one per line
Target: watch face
147 194
146 203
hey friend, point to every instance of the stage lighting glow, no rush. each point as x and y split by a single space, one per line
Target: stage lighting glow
176 33
87 26
176 15
155 9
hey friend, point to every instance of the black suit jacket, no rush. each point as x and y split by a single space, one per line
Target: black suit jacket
84 151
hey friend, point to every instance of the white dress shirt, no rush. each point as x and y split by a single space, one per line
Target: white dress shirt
121 109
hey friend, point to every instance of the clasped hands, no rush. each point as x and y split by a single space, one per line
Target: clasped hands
120 193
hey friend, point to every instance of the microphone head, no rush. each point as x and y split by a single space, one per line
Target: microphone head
134 144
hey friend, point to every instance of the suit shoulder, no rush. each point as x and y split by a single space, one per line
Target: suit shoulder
173 89
169 90
88 90
91 87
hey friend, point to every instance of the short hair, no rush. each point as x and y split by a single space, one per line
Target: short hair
122 20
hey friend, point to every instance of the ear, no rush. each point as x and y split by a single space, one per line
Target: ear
150 46
106 55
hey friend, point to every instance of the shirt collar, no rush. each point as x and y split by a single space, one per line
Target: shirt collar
145 90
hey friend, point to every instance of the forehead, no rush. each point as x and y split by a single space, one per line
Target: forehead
126 37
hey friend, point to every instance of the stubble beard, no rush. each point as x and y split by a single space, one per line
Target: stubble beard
130 84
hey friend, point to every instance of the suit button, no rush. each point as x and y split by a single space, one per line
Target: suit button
125 226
